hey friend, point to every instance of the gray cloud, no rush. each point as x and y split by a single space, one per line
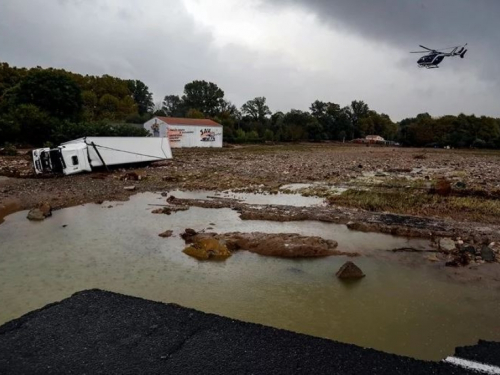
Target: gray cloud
161 44
409 23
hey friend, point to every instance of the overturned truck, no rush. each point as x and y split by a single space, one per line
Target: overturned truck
86 154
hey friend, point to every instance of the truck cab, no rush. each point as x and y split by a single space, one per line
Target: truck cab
67 159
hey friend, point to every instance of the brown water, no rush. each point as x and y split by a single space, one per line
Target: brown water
406 310
253 198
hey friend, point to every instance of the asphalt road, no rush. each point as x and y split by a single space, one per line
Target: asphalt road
97 332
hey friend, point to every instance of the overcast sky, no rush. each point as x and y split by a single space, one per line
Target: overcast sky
290 51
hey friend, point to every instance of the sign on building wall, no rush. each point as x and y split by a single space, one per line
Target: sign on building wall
186 135
194 136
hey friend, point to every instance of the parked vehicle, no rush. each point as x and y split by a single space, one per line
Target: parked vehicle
85 154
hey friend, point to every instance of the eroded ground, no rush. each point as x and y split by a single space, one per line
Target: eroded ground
460 187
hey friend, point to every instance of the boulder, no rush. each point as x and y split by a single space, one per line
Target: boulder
36 214
208 248
39 213
46 209
188 234
349 271
447 245
166 234
487 254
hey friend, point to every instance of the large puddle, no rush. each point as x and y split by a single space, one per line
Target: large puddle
407 310
252 198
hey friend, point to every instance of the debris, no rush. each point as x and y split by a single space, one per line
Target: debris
350 271
129 188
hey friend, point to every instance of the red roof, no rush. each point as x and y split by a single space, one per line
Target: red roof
188 121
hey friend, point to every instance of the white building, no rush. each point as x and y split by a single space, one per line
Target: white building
374 138
186 132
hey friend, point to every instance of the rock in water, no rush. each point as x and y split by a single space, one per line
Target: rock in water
208 248
36 215
350 271
40 212
46 209
166 234
487 254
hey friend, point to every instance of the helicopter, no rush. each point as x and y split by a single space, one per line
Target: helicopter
434 57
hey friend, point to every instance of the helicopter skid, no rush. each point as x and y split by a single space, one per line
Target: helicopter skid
428 66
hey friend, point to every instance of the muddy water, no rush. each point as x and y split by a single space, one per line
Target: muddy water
407 310
250 198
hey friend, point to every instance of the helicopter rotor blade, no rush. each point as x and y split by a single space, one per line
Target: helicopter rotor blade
432 50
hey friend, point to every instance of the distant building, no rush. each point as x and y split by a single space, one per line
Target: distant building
186 132
374 138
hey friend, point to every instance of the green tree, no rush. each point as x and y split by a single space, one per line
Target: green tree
9 130
203 96
256 109
329 117
194 113
268 135
90 102
141 95
35 125
52 92
108 107
173 106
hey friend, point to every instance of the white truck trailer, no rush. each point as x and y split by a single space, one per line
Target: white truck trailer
85 154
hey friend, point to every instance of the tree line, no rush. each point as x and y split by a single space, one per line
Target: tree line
52 105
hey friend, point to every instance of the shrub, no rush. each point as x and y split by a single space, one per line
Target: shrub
9 150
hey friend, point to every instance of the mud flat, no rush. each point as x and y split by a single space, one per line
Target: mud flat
352 179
